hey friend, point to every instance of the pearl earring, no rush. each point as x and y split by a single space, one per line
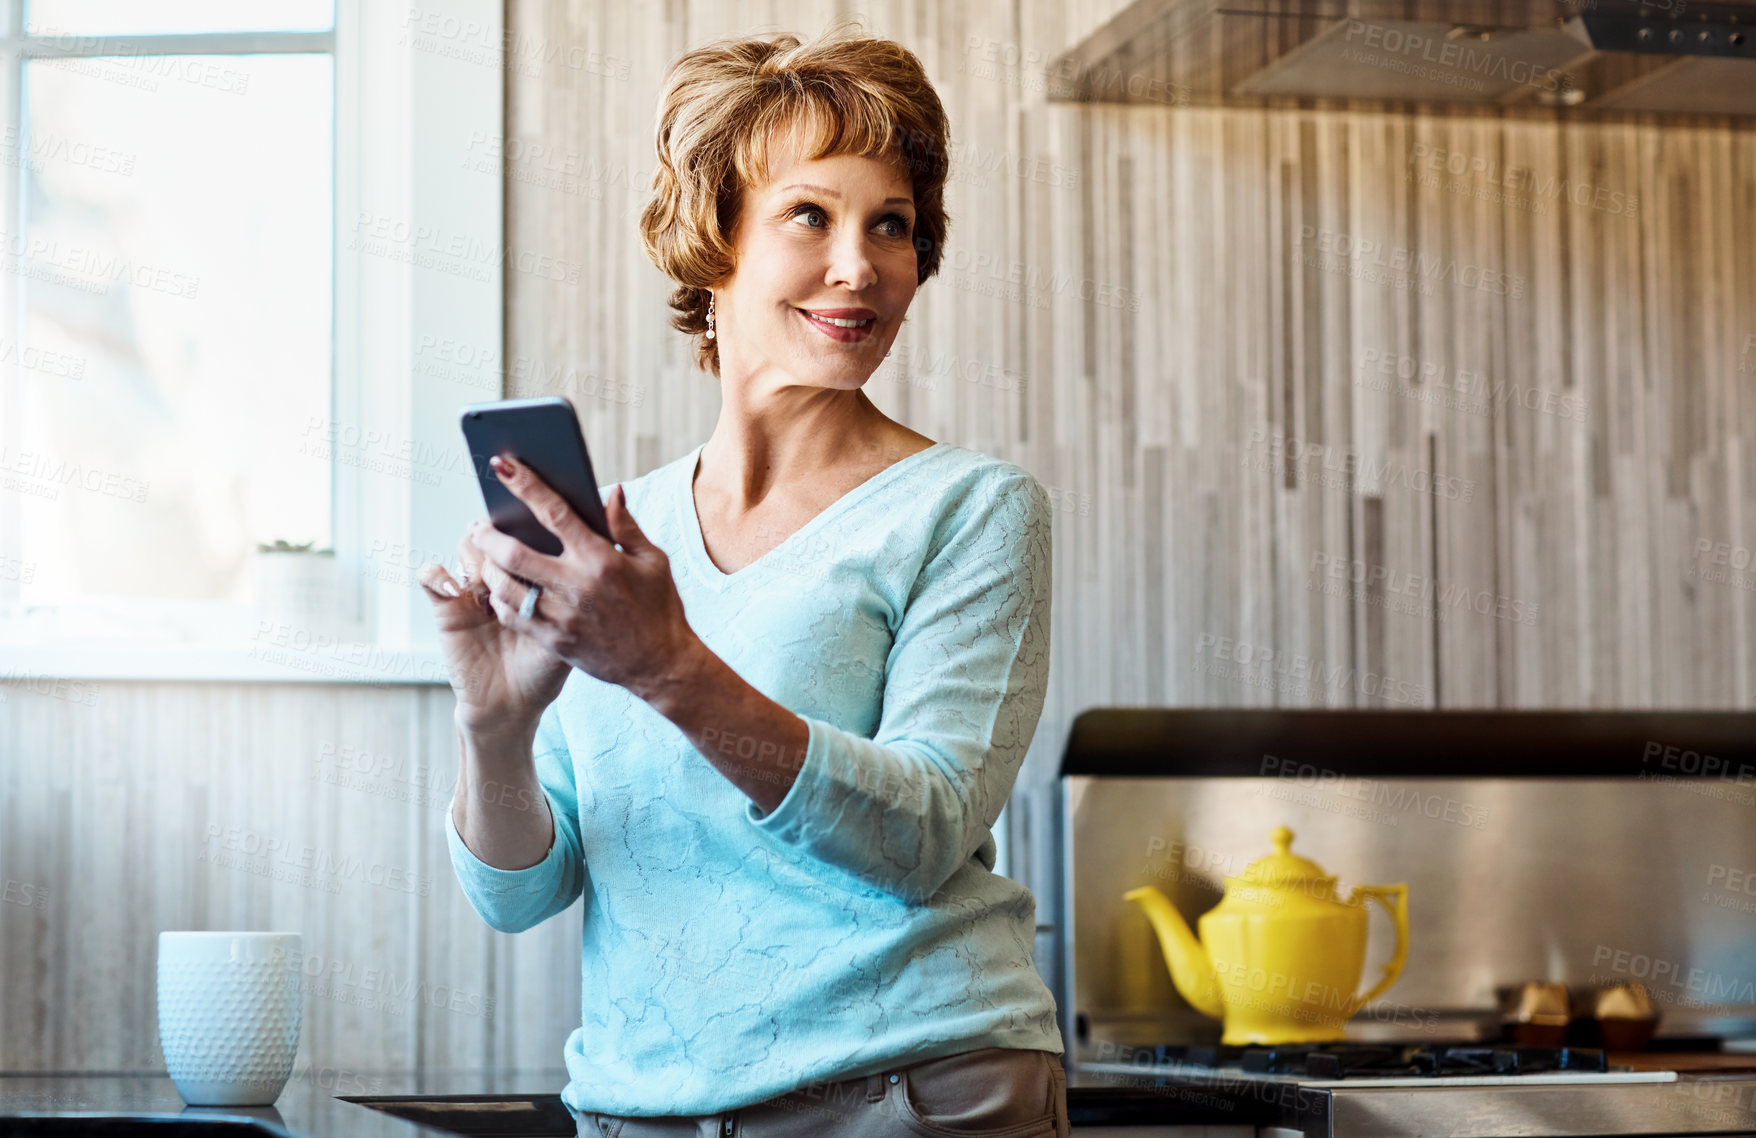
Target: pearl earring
710 316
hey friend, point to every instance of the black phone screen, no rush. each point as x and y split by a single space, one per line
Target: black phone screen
544 435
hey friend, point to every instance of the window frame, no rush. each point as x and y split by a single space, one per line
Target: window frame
436 103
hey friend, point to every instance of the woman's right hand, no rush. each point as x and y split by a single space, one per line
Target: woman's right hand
502 680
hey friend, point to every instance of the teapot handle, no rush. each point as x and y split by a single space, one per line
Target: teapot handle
1394 898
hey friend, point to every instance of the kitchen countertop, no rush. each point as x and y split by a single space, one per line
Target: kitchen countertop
526 1103
307 1108
314 1103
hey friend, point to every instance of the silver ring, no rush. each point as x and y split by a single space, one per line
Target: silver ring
529 606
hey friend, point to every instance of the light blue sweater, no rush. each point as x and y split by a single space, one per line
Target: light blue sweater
731 956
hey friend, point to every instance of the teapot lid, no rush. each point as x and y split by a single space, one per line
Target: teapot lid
1283 867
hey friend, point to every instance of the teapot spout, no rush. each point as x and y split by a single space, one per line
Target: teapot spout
1191 968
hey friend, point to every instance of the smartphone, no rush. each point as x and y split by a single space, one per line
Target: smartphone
544 435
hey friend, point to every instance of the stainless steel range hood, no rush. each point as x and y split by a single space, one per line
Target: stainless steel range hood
1580 58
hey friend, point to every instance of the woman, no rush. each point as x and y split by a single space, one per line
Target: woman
777 807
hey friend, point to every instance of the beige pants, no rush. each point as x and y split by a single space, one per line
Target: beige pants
992 1092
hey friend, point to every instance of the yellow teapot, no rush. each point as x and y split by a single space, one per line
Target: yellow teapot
1280 956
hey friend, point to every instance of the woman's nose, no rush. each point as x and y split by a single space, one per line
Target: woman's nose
850 264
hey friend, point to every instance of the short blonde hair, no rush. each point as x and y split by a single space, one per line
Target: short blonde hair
725 104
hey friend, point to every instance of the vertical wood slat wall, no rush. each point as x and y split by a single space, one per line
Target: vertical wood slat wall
1167 315
1163 314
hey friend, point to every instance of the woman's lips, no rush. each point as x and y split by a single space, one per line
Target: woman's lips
836 323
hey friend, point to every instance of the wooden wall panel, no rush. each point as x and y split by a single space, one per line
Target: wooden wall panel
132 808
1163 314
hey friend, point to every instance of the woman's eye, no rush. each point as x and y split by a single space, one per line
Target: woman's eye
894 227
811 211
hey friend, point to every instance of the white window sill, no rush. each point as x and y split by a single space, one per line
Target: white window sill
266 662
204 641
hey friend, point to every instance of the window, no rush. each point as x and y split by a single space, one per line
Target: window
208 330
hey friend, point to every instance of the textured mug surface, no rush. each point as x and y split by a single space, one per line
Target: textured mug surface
228 1018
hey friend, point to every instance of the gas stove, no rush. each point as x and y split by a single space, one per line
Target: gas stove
1177 798
1377 1090
1392 1065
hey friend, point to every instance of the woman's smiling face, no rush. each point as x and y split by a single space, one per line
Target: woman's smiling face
825 270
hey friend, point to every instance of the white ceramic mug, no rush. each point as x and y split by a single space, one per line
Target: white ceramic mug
228 1017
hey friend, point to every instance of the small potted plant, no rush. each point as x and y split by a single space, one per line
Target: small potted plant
295 584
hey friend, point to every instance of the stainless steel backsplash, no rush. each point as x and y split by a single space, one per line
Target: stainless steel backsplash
1580 881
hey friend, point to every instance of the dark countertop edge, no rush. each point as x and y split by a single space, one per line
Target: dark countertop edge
310 1106
1105 1098
309 1109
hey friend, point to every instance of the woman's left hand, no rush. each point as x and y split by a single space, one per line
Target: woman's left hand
613 614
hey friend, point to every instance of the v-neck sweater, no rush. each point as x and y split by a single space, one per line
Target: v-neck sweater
729 955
